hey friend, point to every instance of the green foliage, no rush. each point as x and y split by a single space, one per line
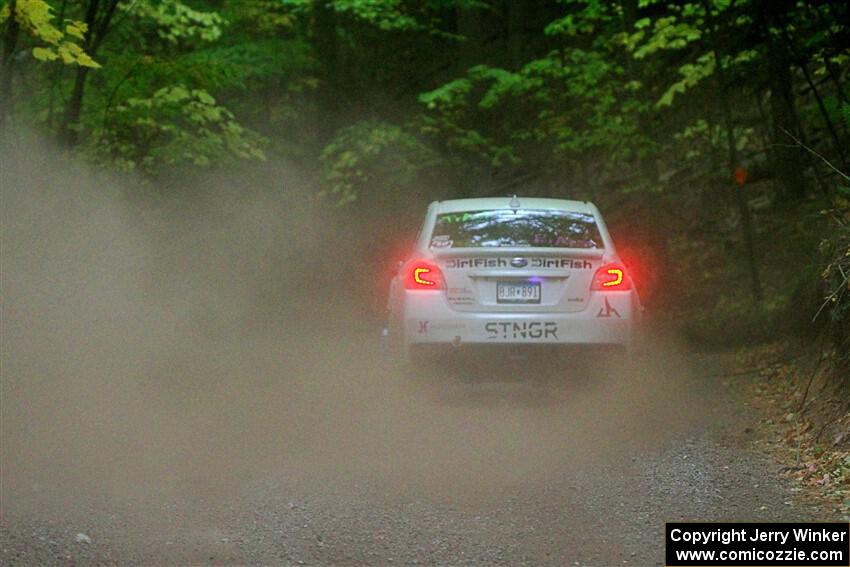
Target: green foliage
448 97
177 22
666 33
386 15
586 18
176 126
453 114
265 17
692 74
680 28
155 104
683 28
241 65
374 156
36 18
568 102
611 96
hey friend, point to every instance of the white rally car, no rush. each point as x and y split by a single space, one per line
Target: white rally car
511 271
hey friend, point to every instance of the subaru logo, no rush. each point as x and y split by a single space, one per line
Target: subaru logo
519 262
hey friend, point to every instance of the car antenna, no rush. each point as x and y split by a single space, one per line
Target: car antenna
514 204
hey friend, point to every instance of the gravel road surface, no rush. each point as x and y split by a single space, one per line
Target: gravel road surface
190 377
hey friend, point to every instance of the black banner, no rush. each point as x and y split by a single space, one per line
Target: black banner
757 544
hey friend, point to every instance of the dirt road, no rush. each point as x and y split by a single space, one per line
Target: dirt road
246 452
184 383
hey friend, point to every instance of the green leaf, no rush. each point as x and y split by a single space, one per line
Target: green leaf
692 73
204 97
44 54
76 29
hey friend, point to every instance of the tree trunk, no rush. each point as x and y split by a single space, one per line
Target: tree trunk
69 133
514 28
469 25
732 145
97 30
57 75
10 40
629 14
326 44
74 109
787 161
648 162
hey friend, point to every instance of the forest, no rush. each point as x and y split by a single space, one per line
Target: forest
713 133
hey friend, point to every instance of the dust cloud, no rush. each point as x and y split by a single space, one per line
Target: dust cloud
192 341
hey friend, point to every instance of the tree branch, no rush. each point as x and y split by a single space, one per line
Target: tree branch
808 149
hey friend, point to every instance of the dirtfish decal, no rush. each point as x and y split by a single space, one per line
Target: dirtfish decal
563 263
476 263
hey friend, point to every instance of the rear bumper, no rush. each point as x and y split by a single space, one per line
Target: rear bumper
608 319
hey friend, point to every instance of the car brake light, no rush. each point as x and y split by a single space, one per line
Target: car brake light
422 275
611 277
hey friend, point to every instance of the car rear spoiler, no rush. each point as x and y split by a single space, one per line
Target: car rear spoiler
589 253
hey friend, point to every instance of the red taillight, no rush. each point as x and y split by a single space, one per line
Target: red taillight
422 275
611 277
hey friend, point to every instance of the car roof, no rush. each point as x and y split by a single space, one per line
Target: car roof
486 203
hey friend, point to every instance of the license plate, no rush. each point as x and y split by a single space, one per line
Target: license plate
517 292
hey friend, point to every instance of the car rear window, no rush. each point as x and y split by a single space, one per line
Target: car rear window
504 227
